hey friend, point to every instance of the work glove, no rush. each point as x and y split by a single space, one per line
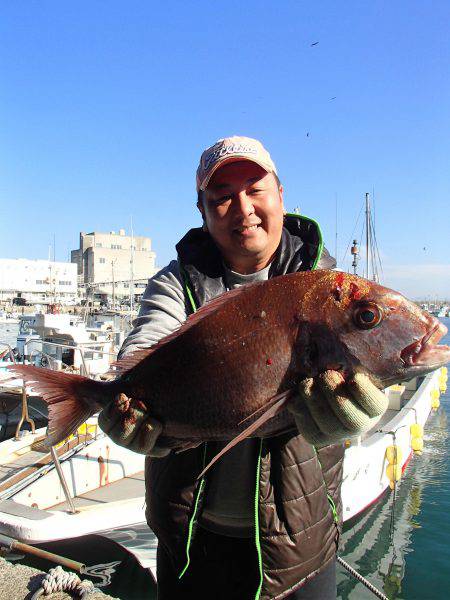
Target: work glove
128 424
329 409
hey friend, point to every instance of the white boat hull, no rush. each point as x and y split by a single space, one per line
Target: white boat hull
364 478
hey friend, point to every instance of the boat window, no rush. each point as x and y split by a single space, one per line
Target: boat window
68 356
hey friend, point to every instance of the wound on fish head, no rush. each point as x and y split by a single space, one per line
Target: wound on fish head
337 291
355 292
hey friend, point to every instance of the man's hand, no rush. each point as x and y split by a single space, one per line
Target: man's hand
329 409
127 423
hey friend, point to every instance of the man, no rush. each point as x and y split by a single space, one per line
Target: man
264 523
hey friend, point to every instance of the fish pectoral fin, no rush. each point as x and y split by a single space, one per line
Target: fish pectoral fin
267 405
277 403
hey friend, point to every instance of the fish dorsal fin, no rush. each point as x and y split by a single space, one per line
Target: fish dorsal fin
276 404
126 363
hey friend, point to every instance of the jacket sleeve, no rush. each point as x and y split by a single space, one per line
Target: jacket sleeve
162 310
326 261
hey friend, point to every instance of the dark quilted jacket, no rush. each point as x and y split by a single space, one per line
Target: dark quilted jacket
298 488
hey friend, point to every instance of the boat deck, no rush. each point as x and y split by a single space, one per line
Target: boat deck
386 417
19 463
129 487
25 462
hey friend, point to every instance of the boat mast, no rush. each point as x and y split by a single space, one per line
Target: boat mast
367 236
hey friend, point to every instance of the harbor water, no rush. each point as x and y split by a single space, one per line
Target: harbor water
400 545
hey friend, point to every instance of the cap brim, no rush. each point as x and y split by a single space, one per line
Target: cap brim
227 161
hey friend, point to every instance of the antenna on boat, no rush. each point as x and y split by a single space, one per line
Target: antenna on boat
355 253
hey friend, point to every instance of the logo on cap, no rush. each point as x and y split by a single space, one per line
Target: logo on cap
228 149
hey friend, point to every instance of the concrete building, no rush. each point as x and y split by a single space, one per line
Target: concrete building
38 281
107 263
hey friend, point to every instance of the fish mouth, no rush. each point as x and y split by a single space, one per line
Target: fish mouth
426 351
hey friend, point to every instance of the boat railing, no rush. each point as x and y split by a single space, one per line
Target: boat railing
10 351
81 348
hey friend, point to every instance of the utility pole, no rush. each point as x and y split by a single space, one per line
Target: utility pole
132 269
113 284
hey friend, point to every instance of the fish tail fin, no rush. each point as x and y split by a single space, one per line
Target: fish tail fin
276 404
71 399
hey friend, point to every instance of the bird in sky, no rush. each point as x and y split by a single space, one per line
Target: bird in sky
314 43
333 98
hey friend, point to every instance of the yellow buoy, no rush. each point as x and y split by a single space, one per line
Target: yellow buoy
416 430
417 444
435 398
393 454
394 467
394 472
417 438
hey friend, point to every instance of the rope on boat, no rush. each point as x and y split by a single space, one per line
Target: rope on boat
362 579
58 580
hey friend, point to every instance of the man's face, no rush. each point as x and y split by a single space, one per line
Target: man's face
243 210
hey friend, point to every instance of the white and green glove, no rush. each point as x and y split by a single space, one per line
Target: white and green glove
329 409
128 424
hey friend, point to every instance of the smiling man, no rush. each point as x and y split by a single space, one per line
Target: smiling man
242 207
265 521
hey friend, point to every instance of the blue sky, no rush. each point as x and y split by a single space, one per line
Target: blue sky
106 106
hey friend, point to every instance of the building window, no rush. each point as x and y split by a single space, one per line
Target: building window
40 281
126 285
116 246
64 282
102 261
98 245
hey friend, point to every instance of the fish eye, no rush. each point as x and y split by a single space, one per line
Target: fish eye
367 315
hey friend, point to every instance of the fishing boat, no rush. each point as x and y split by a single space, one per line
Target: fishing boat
84 485
8 317
374 463
85 345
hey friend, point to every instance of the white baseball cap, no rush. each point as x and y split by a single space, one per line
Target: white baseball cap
228 150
